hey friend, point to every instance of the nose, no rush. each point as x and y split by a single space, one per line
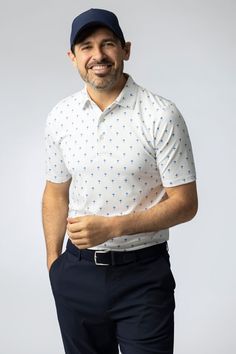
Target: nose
98 54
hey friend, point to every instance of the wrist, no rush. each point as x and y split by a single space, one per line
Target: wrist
119 225
51 258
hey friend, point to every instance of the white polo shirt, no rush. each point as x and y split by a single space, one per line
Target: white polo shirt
119 159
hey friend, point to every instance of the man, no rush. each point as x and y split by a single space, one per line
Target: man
120 173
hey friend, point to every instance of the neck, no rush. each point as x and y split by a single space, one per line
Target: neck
105 97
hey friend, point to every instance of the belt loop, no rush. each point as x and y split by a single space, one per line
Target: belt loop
113 261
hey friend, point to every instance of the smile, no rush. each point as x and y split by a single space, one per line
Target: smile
101 68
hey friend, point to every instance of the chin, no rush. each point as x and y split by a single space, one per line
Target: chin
106 84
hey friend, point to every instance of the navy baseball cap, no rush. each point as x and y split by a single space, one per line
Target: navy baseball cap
96 17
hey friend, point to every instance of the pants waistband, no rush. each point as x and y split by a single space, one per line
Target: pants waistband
106 257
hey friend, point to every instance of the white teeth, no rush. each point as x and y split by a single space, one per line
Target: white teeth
100 67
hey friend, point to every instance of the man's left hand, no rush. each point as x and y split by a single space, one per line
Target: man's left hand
90 230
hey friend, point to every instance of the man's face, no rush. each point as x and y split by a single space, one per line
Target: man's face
99 59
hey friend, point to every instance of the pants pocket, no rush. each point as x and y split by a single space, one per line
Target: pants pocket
55 262
55 271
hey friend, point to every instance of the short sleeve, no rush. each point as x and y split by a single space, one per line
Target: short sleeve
173 149
56 170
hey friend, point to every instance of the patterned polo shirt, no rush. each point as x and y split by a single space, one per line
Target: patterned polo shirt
119 159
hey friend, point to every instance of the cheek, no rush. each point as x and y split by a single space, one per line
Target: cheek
119 57
82 65
82 61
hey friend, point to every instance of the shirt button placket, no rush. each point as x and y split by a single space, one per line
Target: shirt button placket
100 135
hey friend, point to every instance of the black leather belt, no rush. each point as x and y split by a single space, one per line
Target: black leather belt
106 257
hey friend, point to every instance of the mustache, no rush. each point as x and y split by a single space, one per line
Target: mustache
104 62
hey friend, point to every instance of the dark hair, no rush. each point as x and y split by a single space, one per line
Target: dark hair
87 32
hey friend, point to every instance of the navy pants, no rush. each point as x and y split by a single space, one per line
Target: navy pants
102 307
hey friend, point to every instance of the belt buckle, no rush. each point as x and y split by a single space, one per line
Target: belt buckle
95 257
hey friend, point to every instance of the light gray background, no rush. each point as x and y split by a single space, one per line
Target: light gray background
183 50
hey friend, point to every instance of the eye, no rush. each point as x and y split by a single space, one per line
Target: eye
109 44
86 47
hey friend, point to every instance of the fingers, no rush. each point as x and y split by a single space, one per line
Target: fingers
80 239
81 244
75 235
73 220
74 227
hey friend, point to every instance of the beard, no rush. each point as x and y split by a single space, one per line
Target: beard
102 82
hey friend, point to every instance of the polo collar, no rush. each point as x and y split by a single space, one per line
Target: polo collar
126 98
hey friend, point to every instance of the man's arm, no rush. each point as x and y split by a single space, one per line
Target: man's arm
54 213
179 206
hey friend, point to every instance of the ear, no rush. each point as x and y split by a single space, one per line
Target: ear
72 58
126 50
